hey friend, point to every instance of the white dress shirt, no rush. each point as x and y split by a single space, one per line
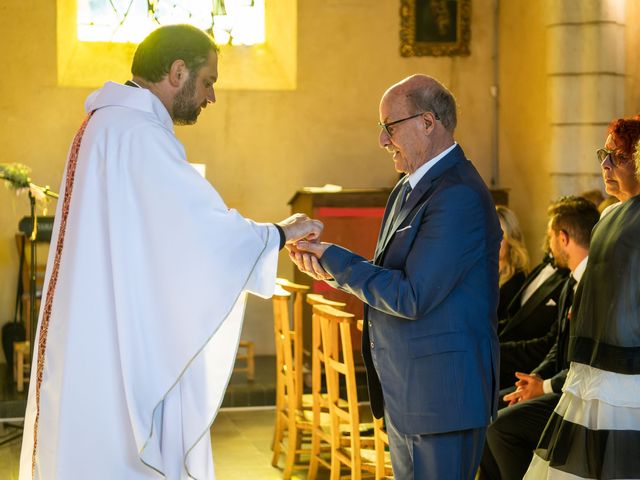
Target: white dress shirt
542 277
416 176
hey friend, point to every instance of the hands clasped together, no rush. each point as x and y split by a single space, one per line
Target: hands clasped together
527 387
303 243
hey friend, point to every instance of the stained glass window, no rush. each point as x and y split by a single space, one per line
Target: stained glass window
232 22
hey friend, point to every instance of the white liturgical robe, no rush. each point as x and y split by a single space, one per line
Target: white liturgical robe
147 308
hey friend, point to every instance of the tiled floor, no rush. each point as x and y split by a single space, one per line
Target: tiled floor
241 448
241 437
9 454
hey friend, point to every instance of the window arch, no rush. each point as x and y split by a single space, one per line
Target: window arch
231 22
269 65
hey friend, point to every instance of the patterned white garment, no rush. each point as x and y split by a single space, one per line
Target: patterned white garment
593 429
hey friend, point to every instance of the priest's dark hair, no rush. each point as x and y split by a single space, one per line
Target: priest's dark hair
155 55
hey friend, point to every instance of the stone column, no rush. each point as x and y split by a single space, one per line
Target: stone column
585 72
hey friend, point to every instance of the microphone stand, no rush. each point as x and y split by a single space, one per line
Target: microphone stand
20 183
33 314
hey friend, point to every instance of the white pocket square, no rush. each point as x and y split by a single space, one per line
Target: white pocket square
403 229
550 303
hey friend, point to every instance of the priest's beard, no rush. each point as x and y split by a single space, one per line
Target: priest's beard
185 110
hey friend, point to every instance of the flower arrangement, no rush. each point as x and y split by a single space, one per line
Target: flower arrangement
15 175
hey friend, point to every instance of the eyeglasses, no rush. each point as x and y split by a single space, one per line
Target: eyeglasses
385 126
617 159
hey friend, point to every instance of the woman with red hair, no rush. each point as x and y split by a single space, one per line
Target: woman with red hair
616 158
594 431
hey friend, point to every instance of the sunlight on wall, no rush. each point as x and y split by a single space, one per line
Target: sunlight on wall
268 65
234 22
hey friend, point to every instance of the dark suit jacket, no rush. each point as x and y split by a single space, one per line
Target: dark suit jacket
516 301
431 295
555 365
527 336
535 318
509 290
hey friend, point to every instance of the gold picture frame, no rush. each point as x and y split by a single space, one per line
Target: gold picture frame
435 28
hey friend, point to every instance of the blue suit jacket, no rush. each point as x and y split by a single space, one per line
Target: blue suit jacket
431 296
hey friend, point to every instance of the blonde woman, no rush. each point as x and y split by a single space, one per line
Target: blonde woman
513 261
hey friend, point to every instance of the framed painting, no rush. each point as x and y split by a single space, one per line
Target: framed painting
435 27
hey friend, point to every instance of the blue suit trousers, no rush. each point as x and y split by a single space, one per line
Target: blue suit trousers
441 456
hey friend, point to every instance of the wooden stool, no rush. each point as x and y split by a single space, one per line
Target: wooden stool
381 446
21 365
320 429
303 402
298 292
348 447
248 358
290 418
381 441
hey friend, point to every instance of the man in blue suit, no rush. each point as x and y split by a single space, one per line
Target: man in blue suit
431 292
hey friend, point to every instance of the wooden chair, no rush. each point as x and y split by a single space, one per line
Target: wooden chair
381 441
298 292
381 447
21 349
292 421
348 448
248 358
320 430
21 364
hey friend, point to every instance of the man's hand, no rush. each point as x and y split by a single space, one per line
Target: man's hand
528 387
306 254
298 226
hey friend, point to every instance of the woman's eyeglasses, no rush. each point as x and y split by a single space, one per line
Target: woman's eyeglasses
617 159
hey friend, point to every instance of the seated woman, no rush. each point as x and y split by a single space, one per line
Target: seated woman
514 259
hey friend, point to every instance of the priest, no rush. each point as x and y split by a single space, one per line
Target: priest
146 283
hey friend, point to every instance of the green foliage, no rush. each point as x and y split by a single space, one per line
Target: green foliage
15 175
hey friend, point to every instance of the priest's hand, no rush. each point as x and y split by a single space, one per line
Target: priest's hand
298 227
306 256
528 387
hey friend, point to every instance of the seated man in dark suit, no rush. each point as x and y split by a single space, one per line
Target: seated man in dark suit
528 333
512 437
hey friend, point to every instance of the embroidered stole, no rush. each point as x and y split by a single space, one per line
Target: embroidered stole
53 280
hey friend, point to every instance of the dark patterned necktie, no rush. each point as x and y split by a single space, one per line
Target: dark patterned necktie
566 300
401 200
398 203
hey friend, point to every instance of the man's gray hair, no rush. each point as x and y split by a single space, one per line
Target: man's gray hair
434 97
